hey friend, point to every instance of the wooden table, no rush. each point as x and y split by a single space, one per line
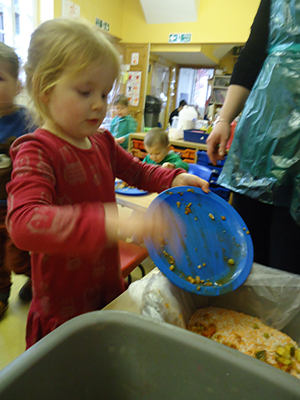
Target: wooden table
124 302
138 203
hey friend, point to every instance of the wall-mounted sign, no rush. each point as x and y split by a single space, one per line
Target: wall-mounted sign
70 9
180 37
102 24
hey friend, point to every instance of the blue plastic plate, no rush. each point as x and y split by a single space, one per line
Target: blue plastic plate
210 242
128 190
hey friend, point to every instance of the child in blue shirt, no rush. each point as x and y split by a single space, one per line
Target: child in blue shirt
14 122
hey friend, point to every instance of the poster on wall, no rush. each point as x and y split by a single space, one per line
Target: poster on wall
134 58
133 87
70 9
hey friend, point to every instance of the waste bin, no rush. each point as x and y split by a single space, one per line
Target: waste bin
119 355
152 110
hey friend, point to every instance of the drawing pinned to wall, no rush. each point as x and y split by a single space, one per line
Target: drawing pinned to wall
133 87
70 9
134 58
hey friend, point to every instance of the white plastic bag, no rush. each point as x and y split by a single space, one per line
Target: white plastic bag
271 295
158 299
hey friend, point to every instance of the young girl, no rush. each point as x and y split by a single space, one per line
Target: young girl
61 198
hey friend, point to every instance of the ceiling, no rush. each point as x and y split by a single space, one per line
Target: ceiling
170 11
195 55
176 11
184 58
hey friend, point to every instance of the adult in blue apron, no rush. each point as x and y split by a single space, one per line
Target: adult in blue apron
263 164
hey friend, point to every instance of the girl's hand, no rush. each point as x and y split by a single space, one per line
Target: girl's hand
217 141
138 224
190 180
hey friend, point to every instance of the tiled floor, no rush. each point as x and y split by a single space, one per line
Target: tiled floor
13 322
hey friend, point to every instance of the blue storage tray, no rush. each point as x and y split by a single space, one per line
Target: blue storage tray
195 135
202 158
219 190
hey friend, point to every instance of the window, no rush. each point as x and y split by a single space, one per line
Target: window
1 27
17 24
194 88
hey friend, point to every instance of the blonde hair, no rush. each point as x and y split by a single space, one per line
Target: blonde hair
8 55
156 136
62 46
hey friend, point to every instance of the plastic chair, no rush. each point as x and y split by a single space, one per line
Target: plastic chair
132 255
201 171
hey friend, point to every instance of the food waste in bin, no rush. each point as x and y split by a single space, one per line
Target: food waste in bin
248 335
261 318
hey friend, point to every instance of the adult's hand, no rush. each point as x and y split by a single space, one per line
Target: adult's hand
217 141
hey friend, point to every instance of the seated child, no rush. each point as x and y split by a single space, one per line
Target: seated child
14 122
123 124
157 145
61 198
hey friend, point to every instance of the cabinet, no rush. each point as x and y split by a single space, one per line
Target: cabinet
219 89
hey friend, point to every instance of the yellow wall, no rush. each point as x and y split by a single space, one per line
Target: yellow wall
110 11
219 21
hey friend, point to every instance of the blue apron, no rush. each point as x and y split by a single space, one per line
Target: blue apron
264 158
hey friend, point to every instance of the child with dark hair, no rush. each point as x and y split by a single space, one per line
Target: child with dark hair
14 122
157 145
123 124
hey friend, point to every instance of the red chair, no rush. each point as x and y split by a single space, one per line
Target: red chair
132 255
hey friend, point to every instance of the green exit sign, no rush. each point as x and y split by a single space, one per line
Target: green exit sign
180 37
102 24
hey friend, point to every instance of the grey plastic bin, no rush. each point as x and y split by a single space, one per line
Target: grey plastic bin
118 355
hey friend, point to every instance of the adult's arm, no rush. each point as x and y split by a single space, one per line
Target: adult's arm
244 75
218 138
254 52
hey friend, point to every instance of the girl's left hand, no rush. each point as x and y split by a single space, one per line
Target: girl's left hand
190 180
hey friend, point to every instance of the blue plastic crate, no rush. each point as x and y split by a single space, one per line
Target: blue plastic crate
202 158
195 135
219 190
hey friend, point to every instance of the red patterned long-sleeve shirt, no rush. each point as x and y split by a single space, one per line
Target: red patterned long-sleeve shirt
55 211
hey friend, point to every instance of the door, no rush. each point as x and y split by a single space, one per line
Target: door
137 56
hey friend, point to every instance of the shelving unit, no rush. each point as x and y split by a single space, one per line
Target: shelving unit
219 90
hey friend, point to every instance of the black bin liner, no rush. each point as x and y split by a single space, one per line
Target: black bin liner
152 110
